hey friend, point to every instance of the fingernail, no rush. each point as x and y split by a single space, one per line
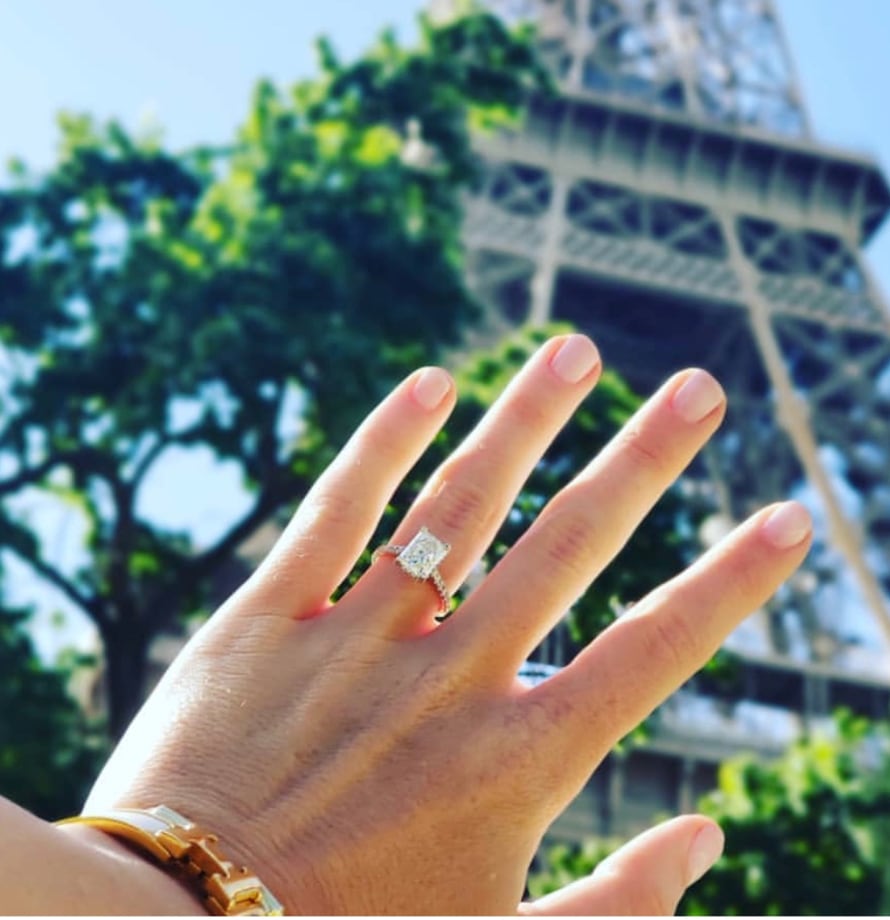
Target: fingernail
576 358
705 850
431 387
698 397
787 526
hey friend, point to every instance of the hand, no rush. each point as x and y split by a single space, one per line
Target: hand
360 758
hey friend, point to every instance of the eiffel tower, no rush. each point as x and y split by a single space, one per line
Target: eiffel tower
672 202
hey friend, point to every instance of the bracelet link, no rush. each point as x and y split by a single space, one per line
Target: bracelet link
246 896
190 852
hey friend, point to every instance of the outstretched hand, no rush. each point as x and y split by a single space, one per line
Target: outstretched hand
362 758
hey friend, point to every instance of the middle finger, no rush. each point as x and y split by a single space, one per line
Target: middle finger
585 525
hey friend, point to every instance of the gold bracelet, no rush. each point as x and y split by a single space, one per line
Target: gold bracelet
182 847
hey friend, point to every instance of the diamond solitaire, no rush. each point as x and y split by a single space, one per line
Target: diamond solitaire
419 560
421 556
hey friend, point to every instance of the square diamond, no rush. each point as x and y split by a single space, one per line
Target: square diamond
421 556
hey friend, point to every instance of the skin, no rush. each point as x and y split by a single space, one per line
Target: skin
364 760
75 870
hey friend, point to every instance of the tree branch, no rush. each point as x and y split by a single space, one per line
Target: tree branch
77 458
89 605
164 441
121 546
34 474
283 487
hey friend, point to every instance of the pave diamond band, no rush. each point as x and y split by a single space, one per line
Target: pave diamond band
419 558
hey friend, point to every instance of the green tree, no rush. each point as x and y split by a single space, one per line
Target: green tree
251 302
805 834
49 751
562 863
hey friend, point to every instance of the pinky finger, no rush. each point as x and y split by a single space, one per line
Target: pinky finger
646 877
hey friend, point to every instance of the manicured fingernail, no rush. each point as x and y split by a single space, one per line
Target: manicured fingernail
787 525
698 397
706 848
576 358
431 387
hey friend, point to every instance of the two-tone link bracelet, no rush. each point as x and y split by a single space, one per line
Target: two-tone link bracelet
192 855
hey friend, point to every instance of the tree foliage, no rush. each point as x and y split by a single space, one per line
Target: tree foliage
252 301
806 834
49 751
562 863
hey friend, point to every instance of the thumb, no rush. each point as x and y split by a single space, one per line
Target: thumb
647 876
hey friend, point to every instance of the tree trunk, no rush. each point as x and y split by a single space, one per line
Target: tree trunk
126 665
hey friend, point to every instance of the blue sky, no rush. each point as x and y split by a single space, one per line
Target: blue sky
190 66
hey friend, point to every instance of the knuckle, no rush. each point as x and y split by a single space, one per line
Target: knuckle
382 444
333 506
642 454
568 540
743 581
462 506
527 411
672 640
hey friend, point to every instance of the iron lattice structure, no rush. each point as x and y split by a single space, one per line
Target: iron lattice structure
671 202
705 58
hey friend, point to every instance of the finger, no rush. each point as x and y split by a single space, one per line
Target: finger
468 497
586 524
662 641
646 877
338 516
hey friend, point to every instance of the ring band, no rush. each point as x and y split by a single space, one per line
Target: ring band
419 558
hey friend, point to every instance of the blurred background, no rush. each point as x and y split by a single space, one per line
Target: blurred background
223 240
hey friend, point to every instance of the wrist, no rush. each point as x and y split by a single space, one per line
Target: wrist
130 879
190 853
